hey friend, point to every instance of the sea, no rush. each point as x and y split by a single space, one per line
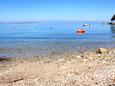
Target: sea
49 38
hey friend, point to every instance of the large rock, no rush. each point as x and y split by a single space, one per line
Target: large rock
102 50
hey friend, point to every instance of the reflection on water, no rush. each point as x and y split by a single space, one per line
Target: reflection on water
113 30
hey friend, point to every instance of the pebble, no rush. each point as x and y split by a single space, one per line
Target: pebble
11 68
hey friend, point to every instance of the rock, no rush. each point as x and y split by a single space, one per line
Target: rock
112 85
102 50
101 57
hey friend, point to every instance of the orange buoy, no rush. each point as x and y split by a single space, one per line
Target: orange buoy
80 31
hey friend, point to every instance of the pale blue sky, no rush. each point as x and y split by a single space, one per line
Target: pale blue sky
44 10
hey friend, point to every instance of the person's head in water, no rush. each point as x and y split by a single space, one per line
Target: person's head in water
51 27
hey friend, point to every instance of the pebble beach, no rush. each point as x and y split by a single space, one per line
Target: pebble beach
88 68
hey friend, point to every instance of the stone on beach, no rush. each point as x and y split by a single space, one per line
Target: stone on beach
102 50
112 85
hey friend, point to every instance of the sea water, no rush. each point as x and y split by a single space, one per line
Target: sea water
50 38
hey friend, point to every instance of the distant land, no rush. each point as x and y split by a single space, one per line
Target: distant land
24 22
19 22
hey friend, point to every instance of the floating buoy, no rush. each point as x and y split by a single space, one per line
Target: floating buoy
80 31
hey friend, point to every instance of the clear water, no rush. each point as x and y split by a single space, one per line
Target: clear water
50 38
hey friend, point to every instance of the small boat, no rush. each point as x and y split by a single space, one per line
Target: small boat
86 25
80 31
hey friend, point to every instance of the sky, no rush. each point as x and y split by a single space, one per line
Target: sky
60 10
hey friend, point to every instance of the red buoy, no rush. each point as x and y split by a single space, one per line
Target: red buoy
80 31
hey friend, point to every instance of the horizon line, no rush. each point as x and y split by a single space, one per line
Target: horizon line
35 21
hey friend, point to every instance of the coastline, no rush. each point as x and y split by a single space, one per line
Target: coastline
88 68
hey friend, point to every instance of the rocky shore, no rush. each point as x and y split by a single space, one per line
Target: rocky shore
88 68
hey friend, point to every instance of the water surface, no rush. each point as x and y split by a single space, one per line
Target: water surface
50 38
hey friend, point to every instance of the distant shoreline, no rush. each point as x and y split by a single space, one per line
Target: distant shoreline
21 22
17 22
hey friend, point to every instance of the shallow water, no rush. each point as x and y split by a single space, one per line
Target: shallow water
52 38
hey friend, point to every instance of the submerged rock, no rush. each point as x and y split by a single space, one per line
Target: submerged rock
102 50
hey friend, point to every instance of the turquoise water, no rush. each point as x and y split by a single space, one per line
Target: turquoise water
50 38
